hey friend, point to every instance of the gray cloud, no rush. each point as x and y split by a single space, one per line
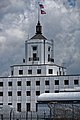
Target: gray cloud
61 23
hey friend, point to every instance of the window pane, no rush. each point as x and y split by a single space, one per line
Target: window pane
66 82
76 82
19 107
28 83
20 72
34 47
47 82
18 93
28 93
1 93
37 83
18 83
1 84
10 93
29 71
38 71
28 107
50 71
37 93
9 83
56 82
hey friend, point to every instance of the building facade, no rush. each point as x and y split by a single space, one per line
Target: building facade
36 75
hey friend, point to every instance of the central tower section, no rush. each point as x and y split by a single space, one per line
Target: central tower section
38 49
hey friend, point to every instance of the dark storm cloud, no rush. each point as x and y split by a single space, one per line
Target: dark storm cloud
61 23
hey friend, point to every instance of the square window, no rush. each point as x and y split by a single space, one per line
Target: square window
37 93
47 82
76 82
50 71
20 72
10 93
10 83
18 93
56 91
56 82
38 71
28 93
29 71
66 82
28 83
1 93
34 48
1 84
37 83
18 83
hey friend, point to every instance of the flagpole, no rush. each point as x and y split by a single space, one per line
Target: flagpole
38 13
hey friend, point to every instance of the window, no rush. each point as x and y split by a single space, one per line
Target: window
10 83
27 107
18 93
66 82
1 84
28 83
34 56
47 91
29 71
1 93
37 83
10 93
37 93
1 103
76 82
12 72
34 48
49 48
50 71
18 83
19 107
28 93
20 72
47 82
9 103
38 71
56 82
56 91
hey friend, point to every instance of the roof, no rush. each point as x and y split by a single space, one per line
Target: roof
62 96
39 36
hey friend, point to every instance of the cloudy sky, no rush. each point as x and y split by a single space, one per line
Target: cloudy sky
61 23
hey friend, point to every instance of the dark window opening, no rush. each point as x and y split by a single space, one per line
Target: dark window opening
56 82
28 93
18 93
18 83
37 83
12 72
10 93
29 71
47 91
76 82
37 93
34 48
20 72
10 83
28 83
56 91
1 84
1 93
49 48
19 107
50 71
66 82
9 103
47 82
27 107
38 71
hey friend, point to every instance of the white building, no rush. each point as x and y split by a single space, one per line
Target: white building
36 75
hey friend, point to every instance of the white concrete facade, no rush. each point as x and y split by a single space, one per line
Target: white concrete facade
38 74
